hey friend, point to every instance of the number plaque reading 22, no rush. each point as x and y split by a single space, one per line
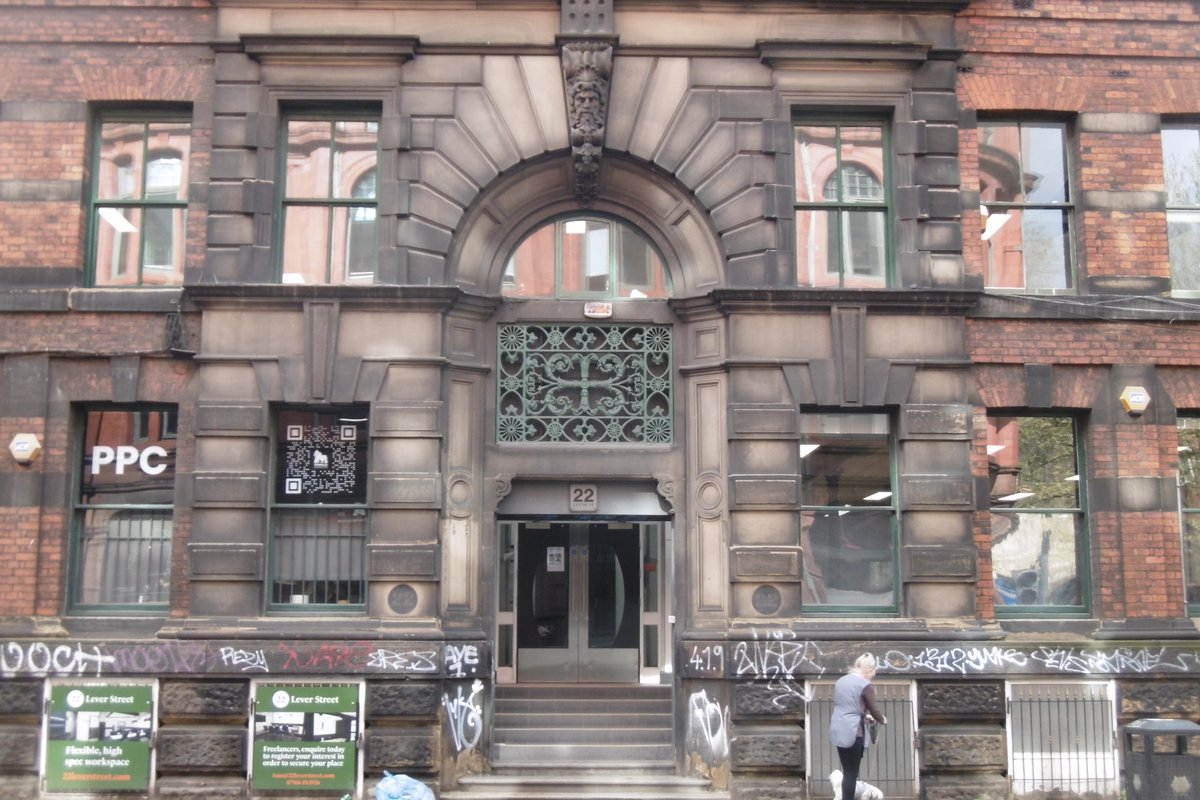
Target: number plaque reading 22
583 497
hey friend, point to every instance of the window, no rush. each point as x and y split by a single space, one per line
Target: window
139 201
1062 739
841 206
319 512
586 257
1037 514
122 526
329 200
848 512
1181 164
1025 200
1189 507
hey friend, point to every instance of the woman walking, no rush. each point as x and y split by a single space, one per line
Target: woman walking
853 702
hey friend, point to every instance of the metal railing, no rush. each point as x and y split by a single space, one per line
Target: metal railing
890 764
1062 739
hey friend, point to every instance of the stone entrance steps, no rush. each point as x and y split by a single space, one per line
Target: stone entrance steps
591 741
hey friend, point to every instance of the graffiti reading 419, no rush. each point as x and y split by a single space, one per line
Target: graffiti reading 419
707 660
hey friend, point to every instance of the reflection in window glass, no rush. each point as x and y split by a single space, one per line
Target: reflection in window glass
1189 506
586 257
841 206
329 201
1181 167
1026 203
1036 513
139 202
123 512
847 512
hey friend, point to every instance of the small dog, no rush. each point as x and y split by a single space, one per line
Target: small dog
862 789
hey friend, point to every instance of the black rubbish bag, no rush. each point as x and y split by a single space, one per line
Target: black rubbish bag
402 787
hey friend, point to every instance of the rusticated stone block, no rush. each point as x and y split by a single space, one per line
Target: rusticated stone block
973 700
780 747
793 787
21 787
1141 699
400 749
192 749
768 699
958 787
18 749
402 699
200 788
203 699
20 698
962 748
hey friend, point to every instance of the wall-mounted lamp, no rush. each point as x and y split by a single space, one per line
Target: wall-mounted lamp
24 448
1134 400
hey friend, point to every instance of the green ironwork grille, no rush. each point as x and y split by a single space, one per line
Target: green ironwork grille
584 383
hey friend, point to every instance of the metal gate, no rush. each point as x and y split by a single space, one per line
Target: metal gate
1062 739
890 763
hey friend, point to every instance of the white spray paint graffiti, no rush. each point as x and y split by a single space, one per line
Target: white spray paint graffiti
708 728
464 717
403 660
41 660
1072 660
246 660
460 657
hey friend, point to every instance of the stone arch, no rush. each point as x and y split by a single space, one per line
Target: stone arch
523 198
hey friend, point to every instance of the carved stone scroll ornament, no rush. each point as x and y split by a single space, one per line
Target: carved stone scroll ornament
587 67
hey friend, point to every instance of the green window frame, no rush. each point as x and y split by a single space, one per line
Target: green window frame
1181 169
842 203
1027 206
328 199
1188 481
138 199
319 517
848 513
1038 515
121 542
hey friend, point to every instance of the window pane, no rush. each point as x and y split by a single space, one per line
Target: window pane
1033 462
1034 559
848 557
309 150
864 248
361 248
318 556
586 262
845 460
124 557
355 156
816 161
1044 162
1000 163
530 271
1181 165
1047 245
119 173
116 231
1189 462
1183 243
305 244
1191 557
816 231
163 245
862 155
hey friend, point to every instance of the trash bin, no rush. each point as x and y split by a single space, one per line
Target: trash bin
1162 759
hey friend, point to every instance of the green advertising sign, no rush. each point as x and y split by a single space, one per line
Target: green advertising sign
305 737
98 737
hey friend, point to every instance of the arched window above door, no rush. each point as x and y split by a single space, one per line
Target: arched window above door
586 257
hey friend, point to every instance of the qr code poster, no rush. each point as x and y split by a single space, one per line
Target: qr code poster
322 462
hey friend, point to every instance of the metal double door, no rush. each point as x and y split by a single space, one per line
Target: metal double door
578 602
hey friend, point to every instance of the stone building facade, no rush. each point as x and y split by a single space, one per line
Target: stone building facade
425 349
